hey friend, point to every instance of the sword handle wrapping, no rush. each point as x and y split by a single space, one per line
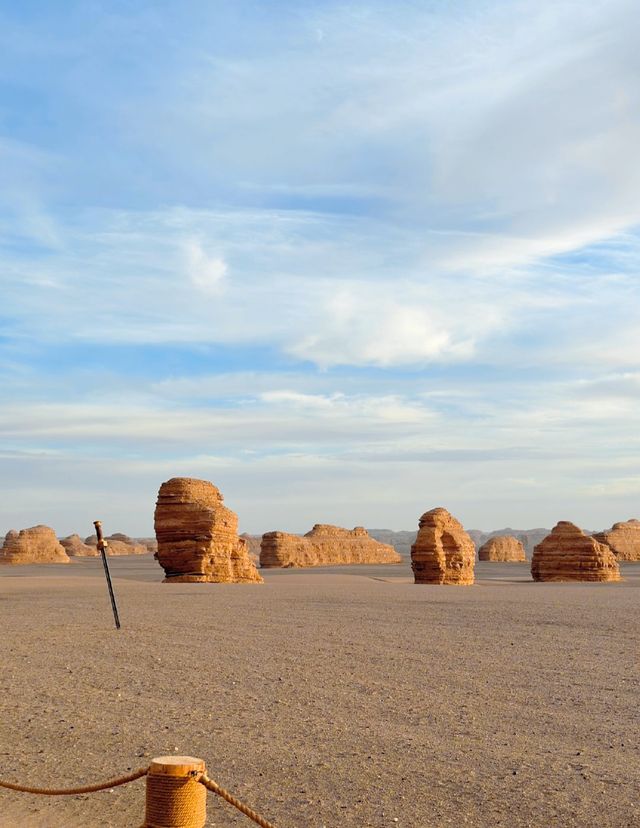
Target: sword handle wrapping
102 544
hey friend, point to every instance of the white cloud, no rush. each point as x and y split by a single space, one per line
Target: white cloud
206 272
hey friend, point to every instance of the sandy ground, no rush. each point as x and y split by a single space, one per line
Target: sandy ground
335 697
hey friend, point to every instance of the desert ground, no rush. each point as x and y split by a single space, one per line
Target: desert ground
329 697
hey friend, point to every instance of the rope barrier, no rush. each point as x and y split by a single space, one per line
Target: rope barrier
173 793
99 786
244 809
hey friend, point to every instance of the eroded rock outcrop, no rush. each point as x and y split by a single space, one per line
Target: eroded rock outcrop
253 545
443 552
36 545
567 554
324 545
75 547
503 548
198 536
623 539
119 544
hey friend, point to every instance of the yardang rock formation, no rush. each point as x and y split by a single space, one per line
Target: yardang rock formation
324 545
38 544
623 539
119 544
443 552
76 548
198 536
567 554
504 548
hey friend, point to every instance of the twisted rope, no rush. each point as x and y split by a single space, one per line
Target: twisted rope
244 809
99 786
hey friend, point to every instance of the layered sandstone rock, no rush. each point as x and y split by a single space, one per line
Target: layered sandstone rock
443 552
198 536
119 544
504 548
324 545
76 548
623 539
38 544
567 554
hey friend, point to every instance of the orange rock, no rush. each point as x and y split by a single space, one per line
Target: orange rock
443 552
119 544
198 536
35 545
623 539
76 548
503 548
253 545
324 545
567 554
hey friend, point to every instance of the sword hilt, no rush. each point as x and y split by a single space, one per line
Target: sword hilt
102 544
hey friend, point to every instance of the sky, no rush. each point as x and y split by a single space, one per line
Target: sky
347 261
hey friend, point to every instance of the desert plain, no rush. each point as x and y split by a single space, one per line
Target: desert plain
342 697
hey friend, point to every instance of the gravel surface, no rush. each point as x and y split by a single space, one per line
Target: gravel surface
332 697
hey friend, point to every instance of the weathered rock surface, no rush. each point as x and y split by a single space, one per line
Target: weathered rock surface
119 544
75 547
527 537
37 544
150 543
623 539
567 554
443 552
324 545
504 548
198 536
253 545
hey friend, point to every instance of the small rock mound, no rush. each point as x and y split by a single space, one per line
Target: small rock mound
503 548
623 539
119 544
443 553
198 536
76 548
567 554
324 545
36 545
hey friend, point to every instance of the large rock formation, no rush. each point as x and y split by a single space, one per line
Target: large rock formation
504 548
623 539
443 552
119 544
324 545
567 554
198 536
76 548
35 545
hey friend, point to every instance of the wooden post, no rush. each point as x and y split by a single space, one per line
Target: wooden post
175 798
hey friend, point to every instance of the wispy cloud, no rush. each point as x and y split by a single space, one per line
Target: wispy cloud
305 252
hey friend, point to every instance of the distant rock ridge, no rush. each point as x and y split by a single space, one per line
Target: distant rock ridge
568 554
324 545
623 539
36 545
443 552
404 539
198 536
119 544
75 547
503 548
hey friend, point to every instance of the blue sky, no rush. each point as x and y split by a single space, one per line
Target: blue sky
347 261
